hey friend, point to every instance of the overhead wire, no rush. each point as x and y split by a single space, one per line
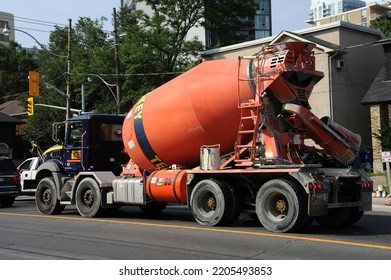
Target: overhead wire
38 22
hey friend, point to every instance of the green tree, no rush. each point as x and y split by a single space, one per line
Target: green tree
91 53
384 136
15 63
156 47
383 23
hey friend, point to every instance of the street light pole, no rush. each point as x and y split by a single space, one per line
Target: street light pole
107 85
69 65
117 77
7 31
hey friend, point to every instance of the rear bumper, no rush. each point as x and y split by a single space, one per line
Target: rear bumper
9 190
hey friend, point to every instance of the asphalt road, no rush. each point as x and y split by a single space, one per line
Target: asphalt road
130 234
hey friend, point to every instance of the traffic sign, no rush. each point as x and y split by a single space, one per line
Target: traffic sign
386 156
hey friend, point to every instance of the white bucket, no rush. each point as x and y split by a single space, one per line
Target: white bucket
210 157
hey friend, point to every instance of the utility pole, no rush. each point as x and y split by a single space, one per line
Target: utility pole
117 77
69 65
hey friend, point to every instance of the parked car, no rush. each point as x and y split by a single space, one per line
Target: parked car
28 168
28 171
9 182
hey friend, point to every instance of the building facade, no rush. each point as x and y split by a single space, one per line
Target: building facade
6 18
378 98
324 8
353 11
361 16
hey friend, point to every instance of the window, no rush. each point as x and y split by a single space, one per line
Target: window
264 7
75 134
111 132
262 22
26 165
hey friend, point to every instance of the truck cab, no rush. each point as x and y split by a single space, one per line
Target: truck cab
91 142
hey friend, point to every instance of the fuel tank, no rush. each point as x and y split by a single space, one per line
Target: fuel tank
200 107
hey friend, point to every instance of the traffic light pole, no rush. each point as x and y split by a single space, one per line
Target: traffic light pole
59 108
68 94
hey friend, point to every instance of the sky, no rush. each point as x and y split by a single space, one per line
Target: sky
38 17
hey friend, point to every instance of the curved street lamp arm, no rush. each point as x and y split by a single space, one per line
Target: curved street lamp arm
107 85
7 31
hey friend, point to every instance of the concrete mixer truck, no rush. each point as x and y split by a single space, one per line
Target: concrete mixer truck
224 138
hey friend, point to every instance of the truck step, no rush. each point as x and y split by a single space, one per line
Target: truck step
249 118
244 146
246 131
246 163
249 104
65 203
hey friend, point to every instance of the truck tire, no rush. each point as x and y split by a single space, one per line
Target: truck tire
46 199
7 201
354 216
88 198
214 203
281 206
336 217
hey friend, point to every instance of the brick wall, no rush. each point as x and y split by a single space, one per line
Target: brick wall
376 145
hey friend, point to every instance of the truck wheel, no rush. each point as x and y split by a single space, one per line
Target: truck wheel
46 197
7 201
88 198
336 217
354 216
214 203
281 206
153 207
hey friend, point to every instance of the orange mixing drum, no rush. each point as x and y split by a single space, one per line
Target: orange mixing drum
200 107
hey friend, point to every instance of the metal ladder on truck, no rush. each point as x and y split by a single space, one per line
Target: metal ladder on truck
250 119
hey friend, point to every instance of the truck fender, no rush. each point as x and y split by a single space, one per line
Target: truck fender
300 178
52 168
317 204
103 178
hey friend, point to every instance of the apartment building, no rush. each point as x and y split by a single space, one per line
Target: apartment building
6 18
353 11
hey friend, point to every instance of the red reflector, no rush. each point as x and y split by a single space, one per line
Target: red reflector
16 178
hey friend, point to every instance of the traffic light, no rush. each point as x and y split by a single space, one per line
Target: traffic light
33 83
30 106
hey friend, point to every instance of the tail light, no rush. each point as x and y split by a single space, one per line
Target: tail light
16 178
367 185
315 186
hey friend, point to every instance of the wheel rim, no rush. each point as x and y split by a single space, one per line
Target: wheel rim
207 203
47 197
88 198
276 206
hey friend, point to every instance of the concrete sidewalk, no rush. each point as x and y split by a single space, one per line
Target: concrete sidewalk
378 204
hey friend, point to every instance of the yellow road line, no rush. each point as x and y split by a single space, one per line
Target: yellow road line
220 230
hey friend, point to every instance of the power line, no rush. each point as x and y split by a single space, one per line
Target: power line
42 23
34 21
37 21
32 29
